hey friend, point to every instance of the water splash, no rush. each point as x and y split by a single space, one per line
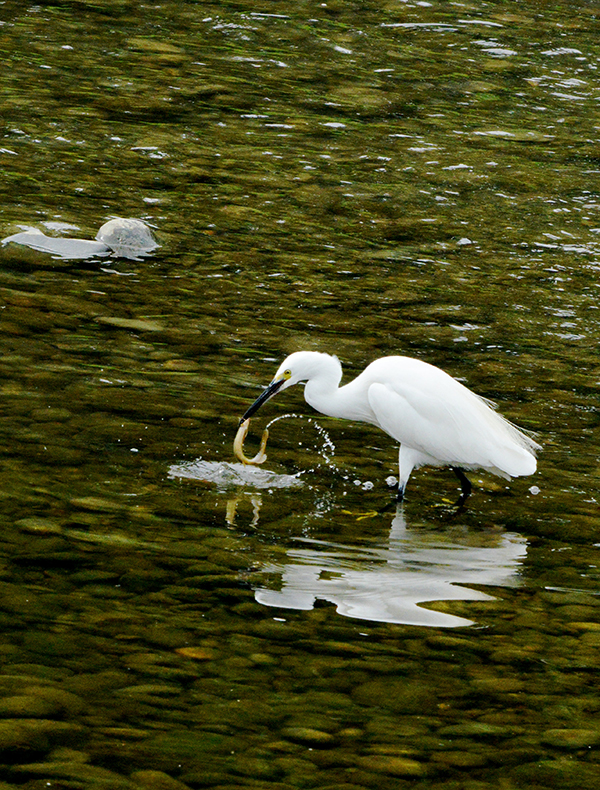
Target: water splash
327 448
230 475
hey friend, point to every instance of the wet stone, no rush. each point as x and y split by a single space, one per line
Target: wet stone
198 653
519 754
388 727
404 728
42 702
342 648
76 771
296 769
96 682
152 689
19 604
327 700
590 639
49 453
50 414
263 659
169 750
152 45
51 555
459 759
27 706
93 577
35 525
401 696
254 767
166 667
396 766
513 654
210 777
342 786
44 643
38 734
105 591
26 672
96 503
585 626
579 612
156 780
498 685
183 365
133 324
559 599
125 733
448 643
308 736
475 729
571 738
165 635
64 754
562 773
284 632
16 737
245 714
139 580
332 758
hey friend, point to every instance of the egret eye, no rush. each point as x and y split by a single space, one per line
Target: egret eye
287 374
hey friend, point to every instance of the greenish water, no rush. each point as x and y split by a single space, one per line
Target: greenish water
358 178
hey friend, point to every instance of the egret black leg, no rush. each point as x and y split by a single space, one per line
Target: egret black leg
465 485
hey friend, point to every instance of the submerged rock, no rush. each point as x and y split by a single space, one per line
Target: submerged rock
119 237
127 238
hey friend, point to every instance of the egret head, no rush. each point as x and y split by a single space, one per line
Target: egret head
299 366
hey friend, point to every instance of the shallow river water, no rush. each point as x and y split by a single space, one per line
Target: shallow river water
361 178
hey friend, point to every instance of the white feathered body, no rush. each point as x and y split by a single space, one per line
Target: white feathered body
436 419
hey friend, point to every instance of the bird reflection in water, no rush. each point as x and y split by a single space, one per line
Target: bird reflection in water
232 506
387 583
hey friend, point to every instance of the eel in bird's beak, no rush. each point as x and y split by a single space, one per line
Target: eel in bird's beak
238 445
238 442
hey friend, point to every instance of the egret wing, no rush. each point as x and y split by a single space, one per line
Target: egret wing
455 427
416 420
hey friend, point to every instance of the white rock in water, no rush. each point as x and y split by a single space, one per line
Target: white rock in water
127 238
124 238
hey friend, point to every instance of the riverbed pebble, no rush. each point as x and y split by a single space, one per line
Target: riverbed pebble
309 736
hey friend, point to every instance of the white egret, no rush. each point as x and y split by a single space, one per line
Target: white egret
436 420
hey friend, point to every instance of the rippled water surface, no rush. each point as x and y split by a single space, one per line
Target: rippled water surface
358 178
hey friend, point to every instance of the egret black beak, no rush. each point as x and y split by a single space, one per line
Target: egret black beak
271 390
